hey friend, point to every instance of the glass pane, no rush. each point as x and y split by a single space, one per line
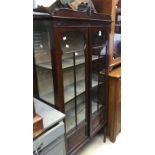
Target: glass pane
97 97
67 60
79 57
42 55
98 65
69 92
80 86
73 64
81 108
94 98
72 42
45 84
80 79
41 44
70 115
98 38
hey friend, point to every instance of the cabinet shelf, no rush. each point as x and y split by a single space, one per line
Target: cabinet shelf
66 51
68 91
98 47
80 88
48 97
66 63
45 65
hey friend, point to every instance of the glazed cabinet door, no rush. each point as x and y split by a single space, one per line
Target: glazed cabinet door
43 70
72 45
98 65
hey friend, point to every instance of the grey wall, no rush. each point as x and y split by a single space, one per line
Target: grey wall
42 2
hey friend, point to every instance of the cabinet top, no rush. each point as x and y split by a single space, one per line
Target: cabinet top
73 15
115 73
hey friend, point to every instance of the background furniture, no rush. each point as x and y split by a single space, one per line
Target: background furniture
51 140
70 51
112 7
114 105
37 123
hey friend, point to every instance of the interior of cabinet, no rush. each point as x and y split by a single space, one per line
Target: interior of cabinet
99 49
41 44
96 91
73 64
45 84
43 62
71 112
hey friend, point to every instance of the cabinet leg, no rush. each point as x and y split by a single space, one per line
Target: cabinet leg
113 139
104 133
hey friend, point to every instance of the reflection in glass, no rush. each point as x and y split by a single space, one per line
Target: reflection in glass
99 38
72 42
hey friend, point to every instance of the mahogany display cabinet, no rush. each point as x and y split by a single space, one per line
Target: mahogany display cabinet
70 51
